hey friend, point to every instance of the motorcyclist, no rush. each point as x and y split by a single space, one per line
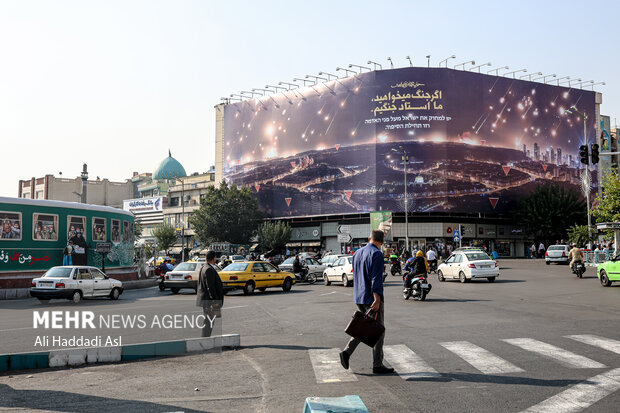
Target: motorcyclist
395 263
431 257
298 267
419 266
575 256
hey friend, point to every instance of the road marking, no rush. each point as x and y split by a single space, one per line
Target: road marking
327 367
602 342
580 396
407 364
480 358
564 357
333 292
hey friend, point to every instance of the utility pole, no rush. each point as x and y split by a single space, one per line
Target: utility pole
84 176
405 160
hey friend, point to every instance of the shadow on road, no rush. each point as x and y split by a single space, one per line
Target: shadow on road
488 378
62 401
283 347
452 300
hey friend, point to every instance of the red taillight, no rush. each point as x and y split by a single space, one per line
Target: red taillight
496 264
546 254
34 284
60 285
188 277
166 277
563 253
234 278
472 265
351 271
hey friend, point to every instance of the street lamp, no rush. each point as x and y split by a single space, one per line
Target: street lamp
389 59
428 60
360 67
316 78
328 75
290 85
479 66
497 70
544 78
585 81
302 80
405 159
262 90
346 71
573 80
560 78
182 219
410 62
473 62
250 93
530 75
599 83
284 92
446 60
573 109
513 73
375 65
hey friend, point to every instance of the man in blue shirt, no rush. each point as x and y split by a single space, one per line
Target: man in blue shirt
368 295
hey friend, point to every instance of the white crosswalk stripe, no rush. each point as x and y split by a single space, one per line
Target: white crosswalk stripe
564 357
407 364
481 359
602 342
580 396
327 367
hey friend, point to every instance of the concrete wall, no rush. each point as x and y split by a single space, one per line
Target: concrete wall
101 192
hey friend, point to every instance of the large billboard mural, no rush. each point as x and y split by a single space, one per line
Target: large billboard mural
475 143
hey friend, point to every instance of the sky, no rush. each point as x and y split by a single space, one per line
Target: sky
115 84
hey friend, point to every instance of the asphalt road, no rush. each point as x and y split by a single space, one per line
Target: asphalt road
475 347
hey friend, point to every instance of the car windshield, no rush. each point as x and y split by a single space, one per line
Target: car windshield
557 247
289 260
237 257
186 266
350 259
237 266
60 272
477 256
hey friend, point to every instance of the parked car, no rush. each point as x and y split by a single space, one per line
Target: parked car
161 259
557 253
609 271
340 271
252 275
74 283
330 259
314 266
184 275
467 265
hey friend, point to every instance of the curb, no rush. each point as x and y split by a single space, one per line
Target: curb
114 354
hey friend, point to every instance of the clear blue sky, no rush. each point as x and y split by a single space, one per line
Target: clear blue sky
116 83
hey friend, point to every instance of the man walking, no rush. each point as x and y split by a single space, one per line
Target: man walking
368 295
210 294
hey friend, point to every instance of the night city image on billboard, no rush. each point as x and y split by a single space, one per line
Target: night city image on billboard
475 142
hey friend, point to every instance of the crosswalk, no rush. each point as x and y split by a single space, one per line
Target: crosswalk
411 366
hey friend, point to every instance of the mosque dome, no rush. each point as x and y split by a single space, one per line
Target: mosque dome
169 168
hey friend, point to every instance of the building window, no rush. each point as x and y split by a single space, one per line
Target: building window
26 195
116 231
75 225
45 227
11 225
38 195
125 231
99 229
174 202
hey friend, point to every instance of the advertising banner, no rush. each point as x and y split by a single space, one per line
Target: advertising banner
143 205
382 220
475 143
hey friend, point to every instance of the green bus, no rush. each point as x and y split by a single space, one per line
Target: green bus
35 233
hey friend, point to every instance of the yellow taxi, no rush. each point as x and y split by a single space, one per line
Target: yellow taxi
252 275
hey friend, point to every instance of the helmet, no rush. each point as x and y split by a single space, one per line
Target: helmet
419 253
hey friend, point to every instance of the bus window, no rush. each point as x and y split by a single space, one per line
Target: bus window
115 236
75 225
99 229
44 227
125 231
11 225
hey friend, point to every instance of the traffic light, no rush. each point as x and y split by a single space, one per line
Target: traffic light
594 151
583 154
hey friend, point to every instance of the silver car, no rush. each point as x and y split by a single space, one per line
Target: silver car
557 253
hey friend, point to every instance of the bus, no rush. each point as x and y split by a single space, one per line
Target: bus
35 233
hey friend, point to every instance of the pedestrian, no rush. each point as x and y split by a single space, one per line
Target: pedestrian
66 256
533 250
210 294
368 295
541 250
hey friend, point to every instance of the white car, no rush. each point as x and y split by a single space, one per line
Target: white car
330 259
557 253
340 271
467 265
314 266
184 275
74 283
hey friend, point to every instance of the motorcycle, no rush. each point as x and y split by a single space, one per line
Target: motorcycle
395 267
578 269
432 266
305 276
419 287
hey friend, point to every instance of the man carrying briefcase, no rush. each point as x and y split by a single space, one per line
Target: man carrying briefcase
368 295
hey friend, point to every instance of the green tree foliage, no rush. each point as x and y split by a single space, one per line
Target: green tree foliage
166 236
607 206
274 235
226 214
580 236
549 210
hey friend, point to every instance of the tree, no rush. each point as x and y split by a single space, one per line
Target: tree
580 235
607 206
137 230
549 210
226 214
166 236
274 235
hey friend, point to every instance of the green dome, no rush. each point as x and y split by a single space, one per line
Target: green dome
169 168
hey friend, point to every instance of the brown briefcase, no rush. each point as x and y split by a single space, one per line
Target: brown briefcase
365 328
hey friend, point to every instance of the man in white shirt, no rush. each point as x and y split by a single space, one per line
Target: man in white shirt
431 257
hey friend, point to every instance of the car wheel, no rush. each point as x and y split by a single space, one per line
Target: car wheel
262 288
44 300
605 279
76 297
161 287
311 278
115 293
326 280
248 288
491 279
440 276
547 262
345 280
174 290
462 277
287 284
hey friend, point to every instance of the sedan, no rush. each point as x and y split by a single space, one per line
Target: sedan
314 266
340 271
557 253
185 275
74 283
252 275
468 265
609 271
